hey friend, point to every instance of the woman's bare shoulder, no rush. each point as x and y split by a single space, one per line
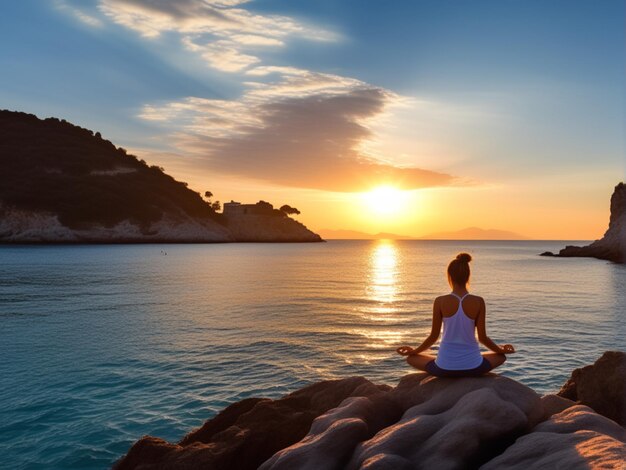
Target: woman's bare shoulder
476 299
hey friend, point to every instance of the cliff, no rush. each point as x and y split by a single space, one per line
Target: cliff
425 422
612 246
262 228
65 184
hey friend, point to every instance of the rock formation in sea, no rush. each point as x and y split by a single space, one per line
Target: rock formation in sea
65 184
612 246
490 422
601 386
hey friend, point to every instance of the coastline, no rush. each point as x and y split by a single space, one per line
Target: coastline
150 242
424 421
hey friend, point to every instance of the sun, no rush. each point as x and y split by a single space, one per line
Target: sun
385 200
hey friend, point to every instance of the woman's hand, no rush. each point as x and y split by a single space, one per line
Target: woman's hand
404 350
507 349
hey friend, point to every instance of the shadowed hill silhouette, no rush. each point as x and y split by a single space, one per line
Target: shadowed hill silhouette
52 166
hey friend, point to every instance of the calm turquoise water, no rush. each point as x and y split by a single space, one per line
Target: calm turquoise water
100 345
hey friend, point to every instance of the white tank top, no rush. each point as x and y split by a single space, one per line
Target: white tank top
458 349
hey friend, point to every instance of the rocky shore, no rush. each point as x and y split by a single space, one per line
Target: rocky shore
612 246
62 183
425 422
26 227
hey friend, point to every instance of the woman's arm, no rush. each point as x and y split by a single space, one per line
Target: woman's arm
434 332
481 326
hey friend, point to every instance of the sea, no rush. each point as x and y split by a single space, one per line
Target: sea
102 344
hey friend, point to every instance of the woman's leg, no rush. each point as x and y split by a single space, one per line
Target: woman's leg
495 359
419 361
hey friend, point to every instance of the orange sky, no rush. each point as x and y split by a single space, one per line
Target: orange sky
574 207
498 115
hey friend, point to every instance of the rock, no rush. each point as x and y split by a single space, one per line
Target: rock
269 228
450 423
612 246
547 253
425 422
553 404
575 438
442 393
601 386
333 435
247 433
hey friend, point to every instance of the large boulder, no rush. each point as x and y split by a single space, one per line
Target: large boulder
602 386
450 423
334 435
425 422
575 438
249 432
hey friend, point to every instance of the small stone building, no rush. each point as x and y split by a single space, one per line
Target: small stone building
234 208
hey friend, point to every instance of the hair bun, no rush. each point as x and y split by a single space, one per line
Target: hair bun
464 257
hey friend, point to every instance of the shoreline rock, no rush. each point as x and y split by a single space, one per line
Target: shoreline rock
601 386
269 229
23 228
487 422
612 246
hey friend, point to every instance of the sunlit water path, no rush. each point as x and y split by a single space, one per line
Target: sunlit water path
103 344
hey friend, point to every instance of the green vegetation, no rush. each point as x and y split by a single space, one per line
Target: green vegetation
53 166
287 209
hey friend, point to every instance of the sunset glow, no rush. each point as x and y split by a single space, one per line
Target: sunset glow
386 201
278 234
479 133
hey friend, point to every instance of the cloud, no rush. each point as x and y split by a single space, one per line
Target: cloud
223 55
221 31
291 126
78 14
303 130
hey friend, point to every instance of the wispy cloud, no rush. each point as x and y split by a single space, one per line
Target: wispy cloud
290 126
303 130
221 31
78 14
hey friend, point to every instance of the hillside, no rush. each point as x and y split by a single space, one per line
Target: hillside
64 183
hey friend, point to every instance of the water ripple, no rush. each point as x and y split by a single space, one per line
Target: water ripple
104 344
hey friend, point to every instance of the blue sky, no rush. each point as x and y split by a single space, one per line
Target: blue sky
337 96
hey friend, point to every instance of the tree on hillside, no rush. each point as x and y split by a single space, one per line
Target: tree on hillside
216 206
288 210
208 194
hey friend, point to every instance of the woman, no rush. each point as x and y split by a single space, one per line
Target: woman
461 313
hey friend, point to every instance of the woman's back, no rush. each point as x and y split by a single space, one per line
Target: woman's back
462 317
458 348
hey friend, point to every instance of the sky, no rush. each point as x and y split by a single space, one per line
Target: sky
409 117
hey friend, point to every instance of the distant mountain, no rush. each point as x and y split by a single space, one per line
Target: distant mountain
475 233
63 183
471 233
329 234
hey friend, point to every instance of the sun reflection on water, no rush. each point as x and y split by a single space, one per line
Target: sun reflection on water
382 286
380 317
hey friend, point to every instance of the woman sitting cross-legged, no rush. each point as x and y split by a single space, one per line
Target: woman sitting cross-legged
461 314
